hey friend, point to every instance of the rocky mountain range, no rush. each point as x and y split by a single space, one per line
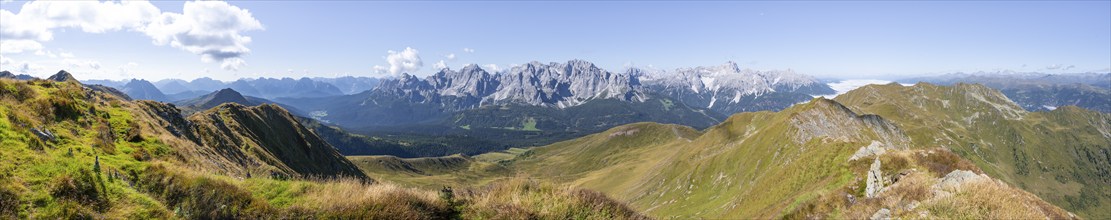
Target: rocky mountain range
880 151
729 89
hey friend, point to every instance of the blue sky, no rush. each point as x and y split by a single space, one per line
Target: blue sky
886 40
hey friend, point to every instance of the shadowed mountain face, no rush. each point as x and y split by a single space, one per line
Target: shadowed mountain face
272 134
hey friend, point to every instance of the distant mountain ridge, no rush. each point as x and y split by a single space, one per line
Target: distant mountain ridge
142 89
1039 91
729 89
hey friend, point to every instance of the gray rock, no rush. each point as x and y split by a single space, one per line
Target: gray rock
957 178
953 181
875 180
44 134
874 149
883 213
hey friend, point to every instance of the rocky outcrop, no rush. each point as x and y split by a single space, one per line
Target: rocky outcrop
875 180
875 149
953 181
882 214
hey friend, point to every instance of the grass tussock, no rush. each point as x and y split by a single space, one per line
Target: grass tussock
987 199
520 198
356 199
911 192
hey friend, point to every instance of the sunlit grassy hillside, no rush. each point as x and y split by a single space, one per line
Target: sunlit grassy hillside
69 152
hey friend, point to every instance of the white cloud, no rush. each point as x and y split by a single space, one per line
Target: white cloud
127 70
439 65
491 67
4 61
450 56
1054 66
468 50
28 68
66 54
76 63
46 53
405 61
19 46
211 29
379 69
841 87
1068 67
37 19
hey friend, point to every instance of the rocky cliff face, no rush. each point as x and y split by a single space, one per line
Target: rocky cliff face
563 85
553 85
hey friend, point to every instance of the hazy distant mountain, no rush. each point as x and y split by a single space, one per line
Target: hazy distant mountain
538 103
142 89
1039 91
226 95
10 75
186 95
259 87
729 89
171 86
349 84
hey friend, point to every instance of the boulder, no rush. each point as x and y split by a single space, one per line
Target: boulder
875 149
883 213
875 180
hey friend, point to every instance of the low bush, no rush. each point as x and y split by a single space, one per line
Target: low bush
9 201
82 187
201 197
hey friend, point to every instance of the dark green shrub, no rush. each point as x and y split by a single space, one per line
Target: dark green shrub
80 187
9 202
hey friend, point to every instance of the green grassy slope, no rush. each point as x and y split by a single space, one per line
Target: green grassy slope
270 135
789 164
431 172
754 165
70 152
1060 155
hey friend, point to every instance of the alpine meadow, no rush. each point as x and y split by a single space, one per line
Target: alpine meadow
555 110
